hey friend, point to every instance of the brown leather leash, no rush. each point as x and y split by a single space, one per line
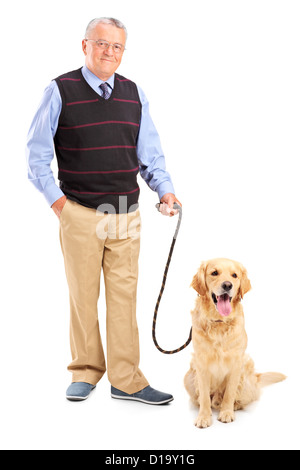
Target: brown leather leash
179 208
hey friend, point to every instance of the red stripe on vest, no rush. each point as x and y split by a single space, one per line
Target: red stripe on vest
99 124
126 101
82 102
103 194
99 172
98 148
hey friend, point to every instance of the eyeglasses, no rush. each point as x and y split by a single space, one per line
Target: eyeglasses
104 45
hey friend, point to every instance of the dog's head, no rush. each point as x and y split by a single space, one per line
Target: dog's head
222 282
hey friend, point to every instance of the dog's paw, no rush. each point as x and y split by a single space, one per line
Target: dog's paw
226 416
203 421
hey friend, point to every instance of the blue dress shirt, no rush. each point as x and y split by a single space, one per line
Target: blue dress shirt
40 148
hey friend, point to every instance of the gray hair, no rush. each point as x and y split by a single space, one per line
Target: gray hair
112 21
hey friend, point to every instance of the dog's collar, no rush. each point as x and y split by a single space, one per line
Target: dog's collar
216 321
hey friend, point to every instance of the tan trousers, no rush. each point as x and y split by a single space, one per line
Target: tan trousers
91 241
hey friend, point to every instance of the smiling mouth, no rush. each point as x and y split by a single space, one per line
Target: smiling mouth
223 304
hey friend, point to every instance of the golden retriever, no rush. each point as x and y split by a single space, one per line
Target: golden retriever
221 375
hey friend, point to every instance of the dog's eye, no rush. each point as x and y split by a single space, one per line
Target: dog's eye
215 273
234 275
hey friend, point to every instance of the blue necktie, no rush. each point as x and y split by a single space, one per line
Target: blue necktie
104 88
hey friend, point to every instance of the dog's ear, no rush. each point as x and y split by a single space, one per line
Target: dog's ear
199 282
245 282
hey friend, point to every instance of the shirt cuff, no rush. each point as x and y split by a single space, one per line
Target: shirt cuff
165 188
52 193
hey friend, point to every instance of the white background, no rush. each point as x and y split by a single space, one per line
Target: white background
222 78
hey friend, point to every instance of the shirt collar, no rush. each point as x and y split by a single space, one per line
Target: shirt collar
95 81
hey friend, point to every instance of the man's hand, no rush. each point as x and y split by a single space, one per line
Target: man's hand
170 199
59 205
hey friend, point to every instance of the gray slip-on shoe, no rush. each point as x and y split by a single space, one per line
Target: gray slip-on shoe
148 395
79 391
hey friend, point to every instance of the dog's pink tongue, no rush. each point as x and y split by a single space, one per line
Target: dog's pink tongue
224 305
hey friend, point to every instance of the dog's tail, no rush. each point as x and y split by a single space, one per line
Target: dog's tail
270 378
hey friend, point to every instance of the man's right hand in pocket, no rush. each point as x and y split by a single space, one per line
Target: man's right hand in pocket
59 205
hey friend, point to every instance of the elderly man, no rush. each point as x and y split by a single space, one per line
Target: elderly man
103 137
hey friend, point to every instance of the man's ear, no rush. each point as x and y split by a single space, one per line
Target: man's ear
84 46
245 282
199 282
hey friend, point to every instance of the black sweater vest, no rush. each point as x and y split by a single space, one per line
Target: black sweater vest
95 144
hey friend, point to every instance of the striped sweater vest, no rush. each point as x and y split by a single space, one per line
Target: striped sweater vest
95 144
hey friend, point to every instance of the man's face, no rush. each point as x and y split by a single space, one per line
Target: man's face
104 63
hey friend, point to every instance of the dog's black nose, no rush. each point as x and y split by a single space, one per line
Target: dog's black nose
227 286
